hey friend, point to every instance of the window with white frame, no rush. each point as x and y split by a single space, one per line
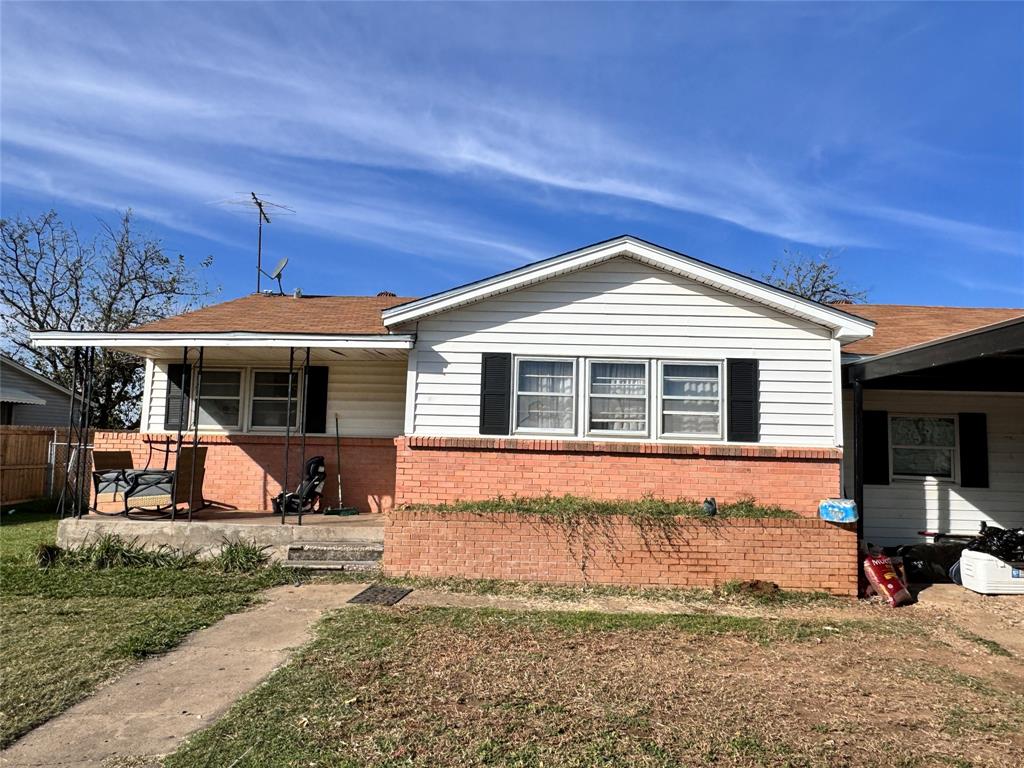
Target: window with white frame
270 399
545 395
617 396
220 398
691 399
923 446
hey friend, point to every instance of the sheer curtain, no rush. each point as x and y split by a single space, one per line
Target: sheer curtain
544 395
618 397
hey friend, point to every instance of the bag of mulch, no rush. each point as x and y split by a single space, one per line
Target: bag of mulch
884 579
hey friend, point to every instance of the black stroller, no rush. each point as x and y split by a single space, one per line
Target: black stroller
307 497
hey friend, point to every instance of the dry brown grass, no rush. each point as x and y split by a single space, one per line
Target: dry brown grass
437 687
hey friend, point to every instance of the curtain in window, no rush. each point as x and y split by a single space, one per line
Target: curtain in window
544 395
618 397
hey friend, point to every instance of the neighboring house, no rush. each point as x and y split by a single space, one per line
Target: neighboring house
614 371
28 398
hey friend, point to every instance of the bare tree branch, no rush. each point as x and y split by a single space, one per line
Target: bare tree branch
50 280
814 277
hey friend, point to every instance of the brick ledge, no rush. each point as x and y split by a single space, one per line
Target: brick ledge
638 448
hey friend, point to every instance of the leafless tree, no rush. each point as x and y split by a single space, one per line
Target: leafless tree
813 277
52 280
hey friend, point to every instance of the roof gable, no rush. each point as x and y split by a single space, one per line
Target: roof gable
843 325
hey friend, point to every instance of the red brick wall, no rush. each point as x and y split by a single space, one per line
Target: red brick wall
439 470
246 471
801 554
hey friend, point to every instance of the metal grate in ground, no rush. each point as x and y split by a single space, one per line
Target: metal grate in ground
380 595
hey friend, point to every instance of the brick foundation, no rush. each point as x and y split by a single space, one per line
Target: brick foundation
433 470
246 471
800 554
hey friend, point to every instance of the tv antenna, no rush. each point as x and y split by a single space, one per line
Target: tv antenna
263 210
275 273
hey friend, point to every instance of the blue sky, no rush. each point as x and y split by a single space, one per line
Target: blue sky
425 145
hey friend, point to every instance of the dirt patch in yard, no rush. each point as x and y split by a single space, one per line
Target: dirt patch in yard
429 686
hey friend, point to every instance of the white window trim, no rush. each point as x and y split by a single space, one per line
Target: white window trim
515 395
242 399
647 398
660 408
251 399
954 478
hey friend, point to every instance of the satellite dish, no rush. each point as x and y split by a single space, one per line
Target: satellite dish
276 271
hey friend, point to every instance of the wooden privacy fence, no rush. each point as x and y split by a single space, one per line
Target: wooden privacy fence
24 463
34 460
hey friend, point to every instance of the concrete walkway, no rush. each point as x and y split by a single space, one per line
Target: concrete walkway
153 707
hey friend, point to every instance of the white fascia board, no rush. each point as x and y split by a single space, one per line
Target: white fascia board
233 340
844 327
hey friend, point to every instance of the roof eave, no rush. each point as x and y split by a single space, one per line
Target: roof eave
233 339
845 326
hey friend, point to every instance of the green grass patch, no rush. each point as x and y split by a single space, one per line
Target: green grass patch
989 645
570 508
95 610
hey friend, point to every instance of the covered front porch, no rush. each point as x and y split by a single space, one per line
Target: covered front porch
938 436
245 411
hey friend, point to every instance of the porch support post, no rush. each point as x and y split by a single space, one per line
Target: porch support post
76 384
181 426
288 425
82 494
195 432
858 452
302 415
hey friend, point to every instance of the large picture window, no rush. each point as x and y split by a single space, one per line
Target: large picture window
691 399
270 399
617 396
545 395
220 399
923 446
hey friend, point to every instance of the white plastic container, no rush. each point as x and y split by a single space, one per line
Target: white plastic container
989 575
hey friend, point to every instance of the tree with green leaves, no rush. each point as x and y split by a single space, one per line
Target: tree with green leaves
50 279
814 277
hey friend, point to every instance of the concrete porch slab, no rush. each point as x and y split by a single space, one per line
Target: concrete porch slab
207 531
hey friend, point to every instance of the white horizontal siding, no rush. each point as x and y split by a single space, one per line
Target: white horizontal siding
894 513
622 308
367 395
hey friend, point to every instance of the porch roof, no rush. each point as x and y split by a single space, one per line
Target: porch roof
236 343
992 349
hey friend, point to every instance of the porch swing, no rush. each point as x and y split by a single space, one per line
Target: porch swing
157 494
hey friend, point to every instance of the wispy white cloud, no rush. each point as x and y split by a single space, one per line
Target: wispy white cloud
223 108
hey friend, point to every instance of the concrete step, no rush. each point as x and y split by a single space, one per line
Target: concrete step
333 566
339 551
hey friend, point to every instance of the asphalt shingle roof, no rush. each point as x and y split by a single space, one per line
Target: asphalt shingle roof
263 313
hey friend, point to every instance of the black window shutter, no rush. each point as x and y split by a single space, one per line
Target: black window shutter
744 395
876 448
316 399
179 381
973 450
495 394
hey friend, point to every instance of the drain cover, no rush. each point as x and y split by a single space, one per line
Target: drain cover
378 595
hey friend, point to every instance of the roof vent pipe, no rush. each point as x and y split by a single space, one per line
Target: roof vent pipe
297 293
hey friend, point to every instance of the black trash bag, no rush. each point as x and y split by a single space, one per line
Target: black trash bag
930 563
1007 545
